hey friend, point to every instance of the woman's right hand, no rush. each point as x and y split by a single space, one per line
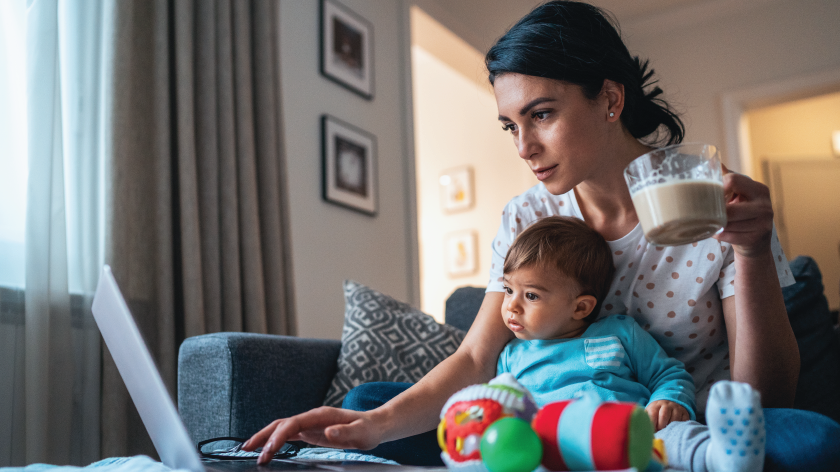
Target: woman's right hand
324 426
413 411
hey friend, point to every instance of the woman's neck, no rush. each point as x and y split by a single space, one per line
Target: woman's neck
604 199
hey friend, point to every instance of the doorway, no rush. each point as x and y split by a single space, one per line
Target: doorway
791 151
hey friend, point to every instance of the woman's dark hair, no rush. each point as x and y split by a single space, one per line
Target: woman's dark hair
578 43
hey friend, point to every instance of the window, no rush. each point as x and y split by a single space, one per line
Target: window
13 142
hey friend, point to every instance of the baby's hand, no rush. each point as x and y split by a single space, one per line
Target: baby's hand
663 412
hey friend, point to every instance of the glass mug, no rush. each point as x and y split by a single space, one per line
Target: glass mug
678 193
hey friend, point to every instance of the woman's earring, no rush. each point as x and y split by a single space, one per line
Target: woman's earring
612 114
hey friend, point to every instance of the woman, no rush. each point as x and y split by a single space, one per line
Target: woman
575 103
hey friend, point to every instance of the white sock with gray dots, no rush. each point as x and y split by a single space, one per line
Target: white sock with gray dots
736 426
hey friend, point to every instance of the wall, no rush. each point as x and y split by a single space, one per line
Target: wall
806 208
704 55
478 22
795 138
701 55
795 130
455 118
447 47
329 243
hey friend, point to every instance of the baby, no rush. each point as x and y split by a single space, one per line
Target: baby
556 274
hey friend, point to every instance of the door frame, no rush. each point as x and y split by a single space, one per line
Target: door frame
736 103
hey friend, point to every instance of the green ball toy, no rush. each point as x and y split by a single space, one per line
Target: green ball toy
510 445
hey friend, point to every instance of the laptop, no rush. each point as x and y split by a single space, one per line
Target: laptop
158 412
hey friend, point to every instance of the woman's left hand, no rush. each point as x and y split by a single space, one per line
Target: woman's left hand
749 214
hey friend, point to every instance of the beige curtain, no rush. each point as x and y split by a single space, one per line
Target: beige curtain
196 219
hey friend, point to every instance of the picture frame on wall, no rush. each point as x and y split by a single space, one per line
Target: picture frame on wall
461 249
349 166
346 48
457 193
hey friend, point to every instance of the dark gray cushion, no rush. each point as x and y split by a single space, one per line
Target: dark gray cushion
234 384
385 340
819 347
462 306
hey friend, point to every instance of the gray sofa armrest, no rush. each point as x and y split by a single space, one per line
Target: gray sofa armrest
234 384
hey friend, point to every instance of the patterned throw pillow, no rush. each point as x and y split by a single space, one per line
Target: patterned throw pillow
384 340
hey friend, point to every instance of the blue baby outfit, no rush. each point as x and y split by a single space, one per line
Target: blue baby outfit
614 359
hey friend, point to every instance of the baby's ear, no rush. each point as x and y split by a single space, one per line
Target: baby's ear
584 305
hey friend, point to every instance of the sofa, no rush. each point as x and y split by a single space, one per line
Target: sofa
233 384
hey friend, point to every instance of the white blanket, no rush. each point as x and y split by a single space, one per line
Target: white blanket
146 464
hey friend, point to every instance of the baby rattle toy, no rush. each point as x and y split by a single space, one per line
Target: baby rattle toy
478 423
497 427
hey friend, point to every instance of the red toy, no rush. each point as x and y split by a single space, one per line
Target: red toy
485 428
469 412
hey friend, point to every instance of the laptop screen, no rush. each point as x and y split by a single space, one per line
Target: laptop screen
141 377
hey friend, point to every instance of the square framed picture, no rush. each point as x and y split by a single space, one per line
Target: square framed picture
456 187
349 165
346 48
461 253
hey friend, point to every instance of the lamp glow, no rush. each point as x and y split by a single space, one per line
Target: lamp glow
835 142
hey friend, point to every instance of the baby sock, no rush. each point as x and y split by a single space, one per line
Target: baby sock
736 426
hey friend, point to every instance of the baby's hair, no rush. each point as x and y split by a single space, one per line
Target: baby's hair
569 246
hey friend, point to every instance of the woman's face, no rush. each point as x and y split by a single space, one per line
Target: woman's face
560 133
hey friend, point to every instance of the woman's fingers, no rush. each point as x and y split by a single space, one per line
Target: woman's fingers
284 431
262 435
736 212
739 188
749 214
325 426
355 435
747 224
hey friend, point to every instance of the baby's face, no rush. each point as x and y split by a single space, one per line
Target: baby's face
540 304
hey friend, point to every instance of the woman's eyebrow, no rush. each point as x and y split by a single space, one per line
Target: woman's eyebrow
528 106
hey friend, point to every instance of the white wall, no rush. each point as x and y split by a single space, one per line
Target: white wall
796 130
330 243
794 141
456 125
478 22
702 54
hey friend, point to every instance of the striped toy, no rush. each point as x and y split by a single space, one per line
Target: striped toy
587 434
581 434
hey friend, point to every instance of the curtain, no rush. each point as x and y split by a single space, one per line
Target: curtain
60 346
197 207
154 146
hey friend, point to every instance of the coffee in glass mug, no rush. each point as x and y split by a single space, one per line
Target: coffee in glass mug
678 193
